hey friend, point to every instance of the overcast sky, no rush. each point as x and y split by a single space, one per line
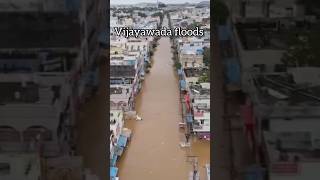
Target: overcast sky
153 1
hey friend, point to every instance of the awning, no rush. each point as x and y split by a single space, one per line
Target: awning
113 171
114 160
189 118
182 84
122 142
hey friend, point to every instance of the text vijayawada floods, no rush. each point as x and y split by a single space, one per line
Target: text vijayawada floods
130 32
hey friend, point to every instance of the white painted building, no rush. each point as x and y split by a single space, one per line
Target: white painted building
116 125
26 166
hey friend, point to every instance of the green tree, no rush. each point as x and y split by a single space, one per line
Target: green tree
156 14
303 49
177 65
161 5
205 77
142 14
193 25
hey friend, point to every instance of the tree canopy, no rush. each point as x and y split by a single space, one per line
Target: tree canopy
303 49
142 14
161 5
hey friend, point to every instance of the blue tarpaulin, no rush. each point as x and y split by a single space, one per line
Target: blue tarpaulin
233 71
199 51
189 118
113 171
122 142
182 84
114 160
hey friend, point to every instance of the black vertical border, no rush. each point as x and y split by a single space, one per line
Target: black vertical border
106 63
212 87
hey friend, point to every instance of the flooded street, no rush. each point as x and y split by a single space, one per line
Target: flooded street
154 152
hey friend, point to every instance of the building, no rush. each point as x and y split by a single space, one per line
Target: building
281 122
191 58
48 61
267 8
118 138
200 95
20 166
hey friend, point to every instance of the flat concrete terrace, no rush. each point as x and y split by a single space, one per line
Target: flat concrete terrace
36 29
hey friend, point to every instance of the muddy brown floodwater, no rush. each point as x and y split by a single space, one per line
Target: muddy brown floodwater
154 152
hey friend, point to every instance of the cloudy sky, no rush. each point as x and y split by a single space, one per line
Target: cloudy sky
153 1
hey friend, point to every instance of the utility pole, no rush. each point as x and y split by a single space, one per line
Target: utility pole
194 174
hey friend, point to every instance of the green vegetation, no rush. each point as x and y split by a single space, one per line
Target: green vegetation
304 49
157 14
142 14
204 78
193 25
161 5
177 65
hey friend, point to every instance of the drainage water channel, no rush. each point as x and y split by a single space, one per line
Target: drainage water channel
154 152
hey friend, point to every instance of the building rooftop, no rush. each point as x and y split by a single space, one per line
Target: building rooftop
19 166
279 89
39 30
261 35
198 91
66 167
122 71
194 72
292 146
120 93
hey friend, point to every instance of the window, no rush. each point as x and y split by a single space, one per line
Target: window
115 81
116 90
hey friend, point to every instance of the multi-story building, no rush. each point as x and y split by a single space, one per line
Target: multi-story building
280 119
125 79
189 57
49 50
200 95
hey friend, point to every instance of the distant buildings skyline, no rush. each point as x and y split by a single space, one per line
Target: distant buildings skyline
131 2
